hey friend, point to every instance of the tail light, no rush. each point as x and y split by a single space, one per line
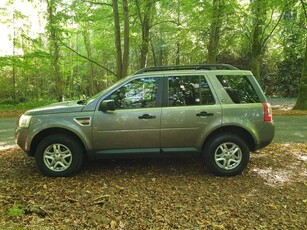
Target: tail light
267 112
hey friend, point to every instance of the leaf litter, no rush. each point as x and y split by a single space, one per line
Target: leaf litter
158 194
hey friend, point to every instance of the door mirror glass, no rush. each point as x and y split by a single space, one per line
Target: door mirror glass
106 105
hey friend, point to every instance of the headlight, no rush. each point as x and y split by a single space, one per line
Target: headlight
24 121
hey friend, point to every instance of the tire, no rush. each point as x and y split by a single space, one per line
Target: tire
59 155
226 155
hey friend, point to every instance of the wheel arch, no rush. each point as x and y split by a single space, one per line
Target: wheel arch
236 130
47 132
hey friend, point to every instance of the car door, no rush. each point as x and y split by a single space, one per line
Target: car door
134 125
189 113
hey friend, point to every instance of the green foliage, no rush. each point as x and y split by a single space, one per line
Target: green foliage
179 34
287 80
16 210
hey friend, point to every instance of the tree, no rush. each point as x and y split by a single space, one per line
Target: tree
262 28
88 47
145 15
121 56
54 46
216 23
301 102
285 82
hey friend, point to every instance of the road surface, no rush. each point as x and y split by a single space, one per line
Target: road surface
7 128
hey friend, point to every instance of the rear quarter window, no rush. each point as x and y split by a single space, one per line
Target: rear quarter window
239 88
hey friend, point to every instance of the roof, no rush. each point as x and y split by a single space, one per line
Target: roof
187 67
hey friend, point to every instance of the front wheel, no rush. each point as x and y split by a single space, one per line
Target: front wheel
59 155
226 155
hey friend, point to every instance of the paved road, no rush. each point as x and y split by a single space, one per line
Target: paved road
7 128
288 129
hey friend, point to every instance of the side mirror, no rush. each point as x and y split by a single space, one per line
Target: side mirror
106 105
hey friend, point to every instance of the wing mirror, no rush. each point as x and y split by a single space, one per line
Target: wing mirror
106 105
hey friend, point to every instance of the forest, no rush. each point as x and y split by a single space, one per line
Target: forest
76 48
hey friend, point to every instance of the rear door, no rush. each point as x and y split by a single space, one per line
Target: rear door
189 113
134 125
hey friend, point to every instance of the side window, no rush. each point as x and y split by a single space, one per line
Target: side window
239 89
138 93
189 90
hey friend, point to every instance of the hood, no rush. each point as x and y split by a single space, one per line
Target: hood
60 107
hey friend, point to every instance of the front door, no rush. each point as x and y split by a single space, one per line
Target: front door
134 125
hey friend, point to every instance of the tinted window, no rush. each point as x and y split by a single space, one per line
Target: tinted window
189 90
239 89
139 93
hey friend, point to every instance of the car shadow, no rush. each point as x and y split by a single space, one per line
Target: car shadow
145 166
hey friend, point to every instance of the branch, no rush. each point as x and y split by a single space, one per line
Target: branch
269 35
139 11
99 3
304 8
162 22
268 24
80 55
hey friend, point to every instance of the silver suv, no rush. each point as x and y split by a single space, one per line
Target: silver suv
215 111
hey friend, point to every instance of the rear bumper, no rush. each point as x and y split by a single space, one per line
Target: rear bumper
266 135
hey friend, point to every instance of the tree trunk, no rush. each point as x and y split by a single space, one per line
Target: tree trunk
14 66
126 39
145 42
301 102
154 56
117 39
259 12
145 24
88 48
256 61
51 8
14 61
217 13
178 39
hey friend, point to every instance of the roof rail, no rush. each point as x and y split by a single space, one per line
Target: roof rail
187 67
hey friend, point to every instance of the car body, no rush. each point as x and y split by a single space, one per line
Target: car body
215 111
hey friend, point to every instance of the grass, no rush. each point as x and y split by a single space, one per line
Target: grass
290 112
10 110
25 105
16 210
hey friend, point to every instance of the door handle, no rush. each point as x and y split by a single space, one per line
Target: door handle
147 116
204 114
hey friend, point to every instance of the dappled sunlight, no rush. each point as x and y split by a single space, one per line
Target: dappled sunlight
284 163
274 178
4 147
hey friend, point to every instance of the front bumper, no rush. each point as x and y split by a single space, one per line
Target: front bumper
22 140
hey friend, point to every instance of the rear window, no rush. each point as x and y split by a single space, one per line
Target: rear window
189 90
239 89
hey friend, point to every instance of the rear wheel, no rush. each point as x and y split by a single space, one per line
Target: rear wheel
226 155
59 155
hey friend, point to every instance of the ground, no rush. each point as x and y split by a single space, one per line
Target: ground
157 194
